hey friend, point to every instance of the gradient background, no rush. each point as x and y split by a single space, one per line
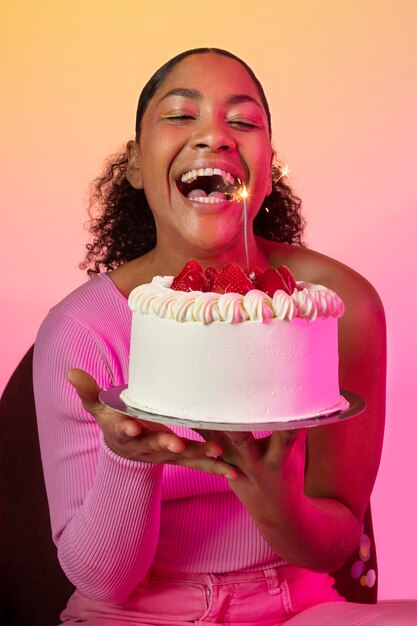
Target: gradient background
340 78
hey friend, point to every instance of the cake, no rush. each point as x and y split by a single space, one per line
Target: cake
203 351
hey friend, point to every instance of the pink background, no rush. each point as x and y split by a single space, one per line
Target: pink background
340 77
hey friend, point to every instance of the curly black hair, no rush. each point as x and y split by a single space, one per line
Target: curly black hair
121 221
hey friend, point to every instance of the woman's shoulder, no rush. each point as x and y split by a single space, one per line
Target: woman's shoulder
312 266
90 301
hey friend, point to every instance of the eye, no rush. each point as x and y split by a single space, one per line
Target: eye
179 118
243 124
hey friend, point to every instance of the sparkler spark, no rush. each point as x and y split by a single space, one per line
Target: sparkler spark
284 172
243 192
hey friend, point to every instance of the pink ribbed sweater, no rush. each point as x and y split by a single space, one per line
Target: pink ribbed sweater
113 518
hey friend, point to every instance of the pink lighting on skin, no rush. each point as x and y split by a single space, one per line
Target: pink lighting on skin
343 106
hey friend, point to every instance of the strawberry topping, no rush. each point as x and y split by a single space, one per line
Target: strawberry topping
190 278
288 278
271 281
232 278
255 273
211 275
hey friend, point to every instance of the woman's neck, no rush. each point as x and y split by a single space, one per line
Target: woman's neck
161 261
169 260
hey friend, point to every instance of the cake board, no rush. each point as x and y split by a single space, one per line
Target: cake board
355 406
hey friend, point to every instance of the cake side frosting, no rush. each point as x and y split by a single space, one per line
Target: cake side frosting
231 357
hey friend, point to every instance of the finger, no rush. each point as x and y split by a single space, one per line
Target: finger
212 466
244 444
288 437
237 437
293 437
164 448
238 447
214 446
123 428
240 439
283 442
86 387
168 441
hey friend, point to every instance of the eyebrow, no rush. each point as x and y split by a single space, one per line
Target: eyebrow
242 97
193 94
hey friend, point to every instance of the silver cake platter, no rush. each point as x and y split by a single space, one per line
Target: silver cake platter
355 406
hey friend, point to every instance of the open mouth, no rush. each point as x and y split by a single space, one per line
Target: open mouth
209 185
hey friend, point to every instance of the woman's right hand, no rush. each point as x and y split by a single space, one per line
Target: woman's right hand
140 440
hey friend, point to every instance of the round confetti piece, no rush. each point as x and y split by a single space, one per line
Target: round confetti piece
364 552
370 578
357 569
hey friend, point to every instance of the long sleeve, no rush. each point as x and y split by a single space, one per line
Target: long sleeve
105 510
112 518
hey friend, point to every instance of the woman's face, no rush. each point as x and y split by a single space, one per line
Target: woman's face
204 130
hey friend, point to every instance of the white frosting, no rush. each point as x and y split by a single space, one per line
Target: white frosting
309 301
233 358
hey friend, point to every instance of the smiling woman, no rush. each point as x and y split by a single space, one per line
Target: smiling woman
202 128
158 525
123 223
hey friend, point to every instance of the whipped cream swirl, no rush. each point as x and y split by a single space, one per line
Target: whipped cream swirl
308 301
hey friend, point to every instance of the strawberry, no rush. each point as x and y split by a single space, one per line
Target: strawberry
288 278
255 273
190 278
271 281
211 274
191 281
232 278
192 264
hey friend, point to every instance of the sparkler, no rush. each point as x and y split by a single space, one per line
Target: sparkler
243 195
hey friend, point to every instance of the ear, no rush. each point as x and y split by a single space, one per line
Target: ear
133 171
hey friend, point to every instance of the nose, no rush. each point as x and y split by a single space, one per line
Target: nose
214 135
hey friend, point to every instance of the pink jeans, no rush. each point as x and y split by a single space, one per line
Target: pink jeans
266 598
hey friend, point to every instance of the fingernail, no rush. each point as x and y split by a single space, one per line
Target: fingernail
212 455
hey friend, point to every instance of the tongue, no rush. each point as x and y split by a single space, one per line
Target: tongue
217 194
196 193
200 193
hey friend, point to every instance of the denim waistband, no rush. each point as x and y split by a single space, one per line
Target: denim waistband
279 574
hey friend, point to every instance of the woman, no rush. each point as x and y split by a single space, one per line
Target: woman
251 536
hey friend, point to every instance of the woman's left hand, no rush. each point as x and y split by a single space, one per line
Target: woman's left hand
270 470
304 523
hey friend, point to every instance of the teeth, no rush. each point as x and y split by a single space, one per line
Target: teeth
208 200
192 175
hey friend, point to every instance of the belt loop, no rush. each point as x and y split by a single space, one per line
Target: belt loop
272 580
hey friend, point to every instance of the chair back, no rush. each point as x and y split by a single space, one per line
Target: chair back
33 588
